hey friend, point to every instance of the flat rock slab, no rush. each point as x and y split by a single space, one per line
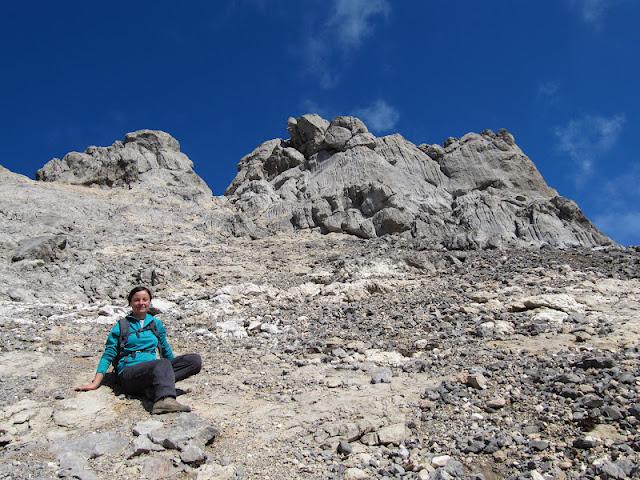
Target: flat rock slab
25 419
556 301
85 410
75 466
157 467
213 471
142 445
187 429
91 445
18 364
73 453
192 455
393 434
146 426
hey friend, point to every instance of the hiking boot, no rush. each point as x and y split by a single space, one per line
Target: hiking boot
169 405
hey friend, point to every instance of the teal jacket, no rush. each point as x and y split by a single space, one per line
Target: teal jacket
140 347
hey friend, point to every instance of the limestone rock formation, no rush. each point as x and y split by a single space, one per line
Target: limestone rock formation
147 159
478 191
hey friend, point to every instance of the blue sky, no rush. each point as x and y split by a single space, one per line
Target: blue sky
224 76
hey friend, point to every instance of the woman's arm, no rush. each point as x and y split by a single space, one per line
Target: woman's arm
165 349
97 380
110 352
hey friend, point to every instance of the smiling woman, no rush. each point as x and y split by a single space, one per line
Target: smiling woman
131 348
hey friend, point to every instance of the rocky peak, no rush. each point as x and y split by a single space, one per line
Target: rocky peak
311 133
147 159
153 140
476 191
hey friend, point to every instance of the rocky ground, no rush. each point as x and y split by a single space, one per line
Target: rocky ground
328 356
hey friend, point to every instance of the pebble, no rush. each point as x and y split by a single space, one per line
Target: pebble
345 448
539 445
535 475
440 461
355 474
496 403
585 443
393 434
382 375
477 380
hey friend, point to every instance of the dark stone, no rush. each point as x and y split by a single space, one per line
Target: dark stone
612 413
627 378
596 362
609 470
345 448
539 445
454 468
40 248
584 443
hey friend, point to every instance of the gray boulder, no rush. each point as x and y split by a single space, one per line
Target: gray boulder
479 191
147 159
46 248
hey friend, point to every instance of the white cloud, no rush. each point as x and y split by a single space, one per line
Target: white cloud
624 189
623 227
379 116
352 20
311 106
587 139
618 206
548 89
317 57
591 12
348 24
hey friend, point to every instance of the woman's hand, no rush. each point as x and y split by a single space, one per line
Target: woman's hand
97 380
86 388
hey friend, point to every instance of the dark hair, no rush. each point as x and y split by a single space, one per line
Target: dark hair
136 290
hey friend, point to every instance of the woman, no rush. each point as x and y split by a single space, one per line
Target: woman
136 364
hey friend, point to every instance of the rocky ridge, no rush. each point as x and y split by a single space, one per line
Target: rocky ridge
479 191
146 159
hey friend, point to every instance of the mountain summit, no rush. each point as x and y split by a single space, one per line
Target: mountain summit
147 159
478 191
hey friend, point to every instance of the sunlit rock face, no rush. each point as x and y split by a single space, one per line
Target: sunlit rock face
479 191
146 159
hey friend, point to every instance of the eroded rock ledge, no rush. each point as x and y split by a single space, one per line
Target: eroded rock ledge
147 159
479 191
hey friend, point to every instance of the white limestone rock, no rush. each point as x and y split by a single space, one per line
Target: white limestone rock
480 191
393 434
147 159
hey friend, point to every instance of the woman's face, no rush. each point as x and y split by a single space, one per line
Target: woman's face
140 303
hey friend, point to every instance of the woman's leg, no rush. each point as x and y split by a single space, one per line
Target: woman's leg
157 374
185 366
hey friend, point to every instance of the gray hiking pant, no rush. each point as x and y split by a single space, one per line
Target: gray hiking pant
159 375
